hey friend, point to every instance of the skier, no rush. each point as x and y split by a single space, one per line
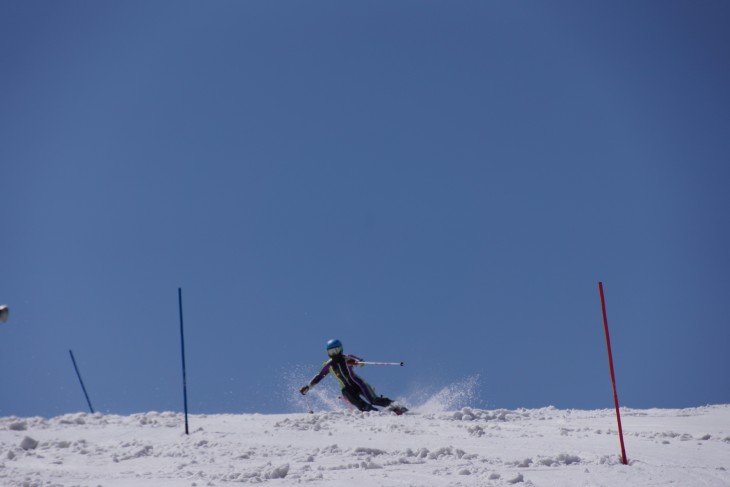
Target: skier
354 388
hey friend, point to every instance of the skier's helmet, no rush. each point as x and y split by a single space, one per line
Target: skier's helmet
334 347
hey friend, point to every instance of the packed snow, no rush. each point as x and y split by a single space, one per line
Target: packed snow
462 447
441 442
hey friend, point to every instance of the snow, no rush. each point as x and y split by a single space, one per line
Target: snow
462 447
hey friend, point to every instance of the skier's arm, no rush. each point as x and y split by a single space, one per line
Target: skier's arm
315 380
353 360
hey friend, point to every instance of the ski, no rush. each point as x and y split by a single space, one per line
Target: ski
397 410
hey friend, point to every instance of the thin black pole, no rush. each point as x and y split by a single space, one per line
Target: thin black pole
83 388
182 346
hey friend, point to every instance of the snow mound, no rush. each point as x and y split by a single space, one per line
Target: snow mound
462 447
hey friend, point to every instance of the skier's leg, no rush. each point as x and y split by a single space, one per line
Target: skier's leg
370 395
382 401
357 401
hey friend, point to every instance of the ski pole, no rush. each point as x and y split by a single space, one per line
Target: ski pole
309 404
381 363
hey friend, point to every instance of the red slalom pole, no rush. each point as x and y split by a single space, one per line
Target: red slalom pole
613 376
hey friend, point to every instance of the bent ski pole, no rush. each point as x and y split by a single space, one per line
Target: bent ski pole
381 363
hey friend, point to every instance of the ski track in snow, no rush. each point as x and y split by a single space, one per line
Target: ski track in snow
466 447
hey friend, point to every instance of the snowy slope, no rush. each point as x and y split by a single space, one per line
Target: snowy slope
468 447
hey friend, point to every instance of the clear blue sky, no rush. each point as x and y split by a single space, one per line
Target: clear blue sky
443 183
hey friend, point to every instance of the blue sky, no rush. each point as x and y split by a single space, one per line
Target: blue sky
442 183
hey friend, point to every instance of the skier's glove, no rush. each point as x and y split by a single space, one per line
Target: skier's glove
304 390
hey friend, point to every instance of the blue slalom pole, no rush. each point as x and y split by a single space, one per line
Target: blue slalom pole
83 388
182 346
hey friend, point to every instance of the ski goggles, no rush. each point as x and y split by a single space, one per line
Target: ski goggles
334 351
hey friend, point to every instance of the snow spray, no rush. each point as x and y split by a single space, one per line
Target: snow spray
324 397
454 396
